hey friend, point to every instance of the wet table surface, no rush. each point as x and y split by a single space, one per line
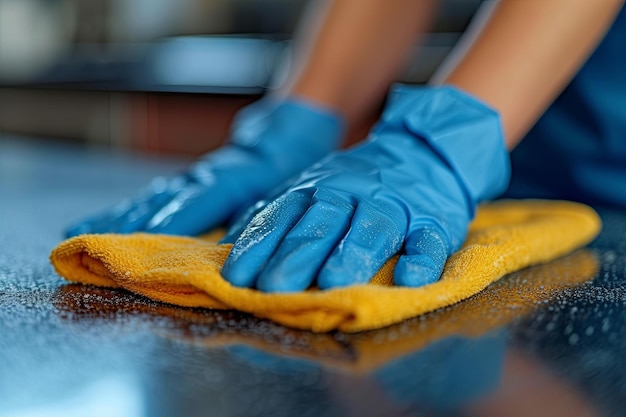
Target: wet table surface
549 340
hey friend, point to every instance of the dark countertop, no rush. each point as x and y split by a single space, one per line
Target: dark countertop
547 341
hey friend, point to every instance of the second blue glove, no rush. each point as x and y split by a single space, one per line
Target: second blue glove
271 142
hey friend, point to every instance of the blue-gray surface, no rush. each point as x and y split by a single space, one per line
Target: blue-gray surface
70 350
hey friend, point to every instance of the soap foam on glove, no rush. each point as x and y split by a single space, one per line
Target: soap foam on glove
504 237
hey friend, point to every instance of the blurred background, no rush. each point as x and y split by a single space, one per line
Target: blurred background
162 76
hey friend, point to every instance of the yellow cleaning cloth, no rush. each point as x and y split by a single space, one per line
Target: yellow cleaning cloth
505 236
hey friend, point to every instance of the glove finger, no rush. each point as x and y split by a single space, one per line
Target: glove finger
130 221
261 237
243 217
125 217
216 187
426 250
303 251
94 224
238 226
373 238
129 215
195 209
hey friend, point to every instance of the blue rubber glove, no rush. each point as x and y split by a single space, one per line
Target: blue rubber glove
270 143
411 188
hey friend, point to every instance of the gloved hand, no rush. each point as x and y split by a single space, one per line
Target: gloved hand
411 188
270 142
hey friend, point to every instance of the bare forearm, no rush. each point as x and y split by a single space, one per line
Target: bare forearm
526 53
348 59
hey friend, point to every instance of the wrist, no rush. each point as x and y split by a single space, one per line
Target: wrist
322 95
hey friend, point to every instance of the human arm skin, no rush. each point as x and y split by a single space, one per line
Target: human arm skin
516 58
347 52
525 54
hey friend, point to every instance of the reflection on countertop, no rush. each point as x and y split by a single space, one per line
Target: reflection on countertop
547 340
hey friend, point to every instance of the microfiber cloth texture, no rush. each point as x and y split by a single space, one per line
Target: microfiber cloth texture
504 237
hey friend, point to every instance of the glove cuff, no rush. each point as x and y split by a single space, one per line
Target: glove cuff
293 118
464 132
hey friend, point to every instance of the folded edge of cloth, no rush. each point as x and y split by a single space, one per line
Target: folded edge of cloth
505 236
